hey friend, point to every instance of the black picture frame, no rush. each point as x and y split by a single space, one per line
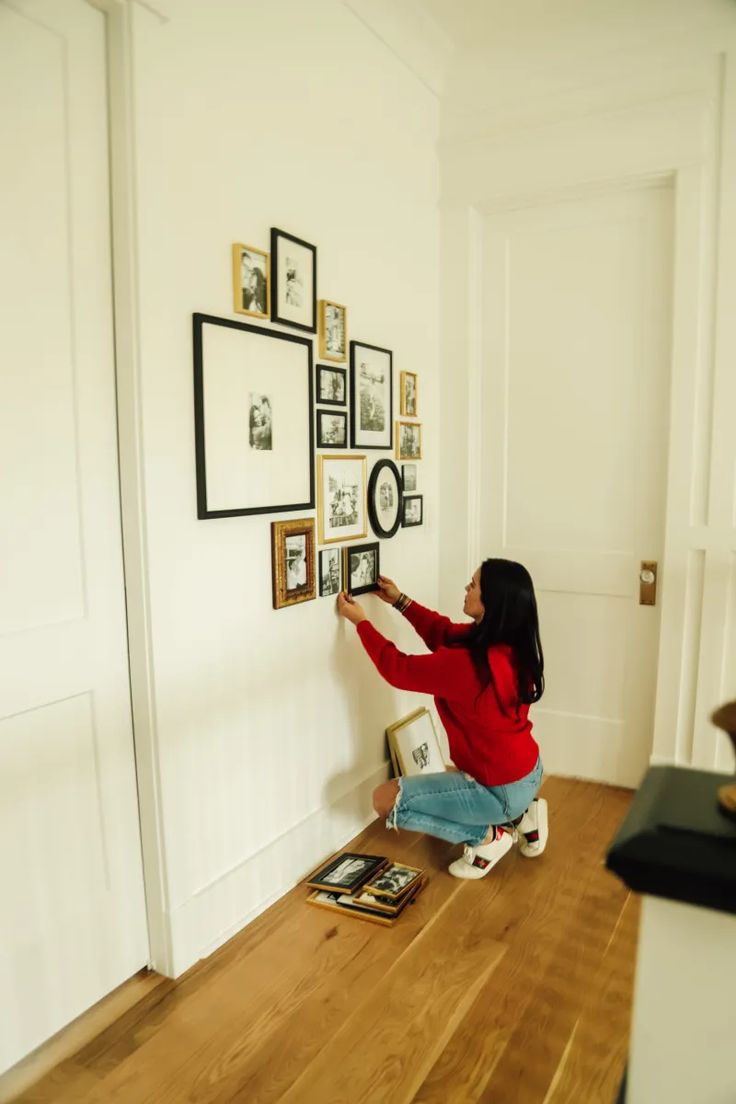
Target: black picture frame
279 240
374 490
335 554
335 370
366 866
355 550
300 461
322 440
359 437
412 498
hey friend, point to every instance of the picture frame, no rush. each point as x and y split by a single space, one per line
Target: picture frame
292 562
346 872
393 882
385 499
409 477
333 331
413 745
342 493
251 281
365 906
332 385
253 419
371 396
330 572
413 511
408 440
408 394
332 428
294 281
361 566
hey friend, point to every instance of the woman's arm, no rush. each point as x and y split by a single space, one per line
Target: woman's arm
444 674
435 630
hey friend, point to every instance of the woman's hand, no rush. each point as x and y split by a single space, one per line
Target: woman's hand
348 608
387 589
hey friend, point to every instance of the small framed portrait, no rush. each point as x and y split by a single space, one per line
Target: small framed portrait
408 394
329 572
346 873
413 513
409 477
371 396
413 745
292 562
393 881
331 385
408 441
333 330
294 276
251 281
341 498
361 568
332 429
385 498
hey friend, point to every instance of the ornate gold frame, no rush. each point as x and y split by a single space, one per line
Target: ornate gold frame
402 395
323 354
279 531
238 307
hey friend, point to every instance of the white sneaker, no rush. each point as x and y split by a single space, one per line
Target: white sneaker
477 861
533 829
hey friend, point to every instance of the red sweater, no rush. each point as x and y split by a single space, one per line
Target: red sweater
493 746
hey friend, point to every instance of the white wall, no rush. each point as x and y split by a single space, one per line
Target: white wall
269 725
585 98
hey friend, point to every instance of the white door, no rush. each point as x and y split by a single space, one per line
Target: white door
72 916
574 426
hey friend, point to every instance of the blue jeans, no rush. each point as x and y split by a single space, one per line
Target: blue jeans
455 807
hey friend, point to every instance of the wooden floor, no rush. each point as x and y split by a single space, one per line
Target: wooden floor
512 989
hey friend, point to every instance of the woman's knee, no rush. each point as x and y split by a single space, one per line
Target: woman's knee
384 797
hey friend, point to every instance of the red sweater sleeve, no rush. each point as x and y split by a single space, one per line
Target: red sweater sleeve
444 674
435 630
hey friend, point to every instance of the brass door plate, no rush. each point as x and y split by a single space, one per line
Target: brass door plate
648 583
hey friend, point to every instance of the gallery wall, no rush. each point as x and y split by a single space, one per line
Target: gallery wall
269 724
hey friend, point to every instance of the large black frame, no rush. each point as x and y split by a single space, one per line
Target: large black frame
354 409
203 513
276 235
372 510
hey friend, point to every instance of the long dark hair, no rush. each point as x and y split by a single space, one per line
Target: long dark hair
510 618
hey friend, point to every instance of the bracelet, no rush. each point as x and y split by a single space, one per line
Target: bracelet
402 603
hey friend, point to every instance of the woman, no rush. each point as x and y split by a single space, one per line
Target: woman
483 677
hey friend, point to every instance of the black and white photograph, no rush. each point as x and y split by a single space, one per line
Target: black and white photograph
385 498
371 401
331 385
413 745
393 881
329 572
253 419
292 562
408 394
409 477
347 872
251 284
341 498
408 441
413 510
260 418
332 429
361 568
333 330
296 562
294 278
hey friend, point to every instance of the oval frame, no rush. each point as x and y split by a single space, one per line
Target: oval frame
372 485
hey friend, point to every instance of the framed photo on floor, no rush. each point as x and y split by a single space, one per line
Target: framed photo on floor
408 441
331 385
332 428
371 396
341 498
408 394
330 575
251 281
361 567
413 745
292 562
347 872
253 419
413 511
385 498
294 279
333 330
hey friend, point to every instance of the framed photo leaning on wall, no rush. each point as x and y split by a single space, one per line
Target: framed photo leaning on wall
251 281
292 562
294 279
333 330
413 745
361 567
253 419
341 498
371 396
385 498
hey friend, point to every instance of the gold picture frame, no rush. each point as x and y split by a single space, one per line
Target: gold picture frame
292 562
408 394
403 451
333 331
342 509
255 299
413 745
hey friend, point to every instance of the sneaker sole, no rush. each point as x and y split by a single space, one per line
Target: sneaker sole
542 828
